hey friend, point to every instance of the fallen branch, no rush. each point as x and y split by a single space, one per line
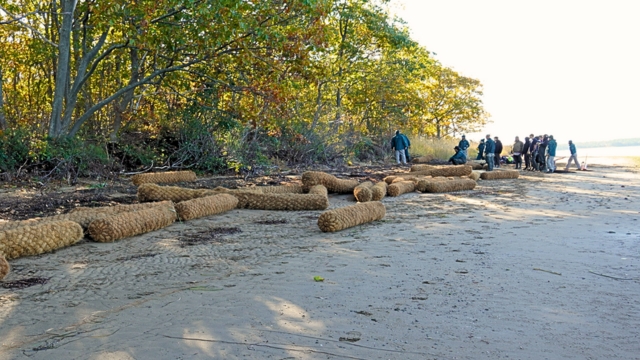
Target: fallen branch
609 276
549 271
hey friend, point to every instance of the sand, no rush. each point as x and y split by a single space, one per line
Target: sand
513 269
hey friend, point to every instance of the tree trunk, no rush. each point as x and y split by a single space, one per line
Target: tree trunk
62 73
3 120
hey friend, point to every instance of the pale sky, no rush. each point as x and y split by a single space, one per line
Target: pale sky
565 67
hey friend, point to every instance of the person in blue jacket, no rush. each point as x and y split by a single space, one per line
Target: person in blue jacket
399 144
459 158
480 150
489 150
552 145
464 146
574 156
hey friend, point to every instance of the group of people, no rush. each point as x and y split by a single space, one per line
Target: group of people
539 153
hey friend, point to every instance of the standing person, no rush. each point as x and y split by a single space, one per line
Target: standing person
459 158
574 156
535 147
480 150
516 150
526 150
498 151
464 146
399 144
542 151
551 158
489 151
406 151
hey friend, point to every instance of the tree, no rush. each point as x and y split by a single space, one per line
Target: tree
453 104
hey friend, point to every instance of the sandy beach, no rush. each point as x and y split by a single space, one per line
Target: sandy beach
541 267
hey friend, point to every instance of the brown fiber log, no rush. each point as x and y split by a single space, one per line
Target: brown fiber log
421 167
84 215
452 170
402 187
39 238
5 268
422 159
332 183
346 217
258 201
362 192
205 206
500 174
449 186
125 225
281 189
474 176
164 177
379 191
153 192
407 178
319 190
422 184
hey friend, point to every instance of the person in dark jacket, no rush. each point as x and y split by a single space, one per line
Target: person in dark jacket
480 150
535 148
464 146
459 158
489 151
399 144
498 151
542 152
526 151
551 154
574 156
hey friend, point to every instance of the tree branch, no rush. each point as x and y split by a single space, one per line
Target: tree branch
18 19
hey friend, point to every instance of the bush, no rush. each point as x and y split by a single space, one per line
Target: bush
14 149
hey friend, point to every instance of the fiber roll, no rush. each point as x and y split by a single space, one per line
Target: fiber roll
362 192
39 238
421 167
389 179
205 206
500 174
474 176
422 159
423 183
379 191
477 165
125 225
450 185
407 178
402 187
452 170
319 190
84 215
281 189
257 201
153 192
5 268
346 217
332 183
164 177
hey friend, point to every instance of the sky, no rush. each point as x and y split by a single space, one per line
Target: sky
564 67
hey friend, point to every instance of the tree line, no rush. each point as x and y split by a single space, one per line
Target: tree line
88 84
